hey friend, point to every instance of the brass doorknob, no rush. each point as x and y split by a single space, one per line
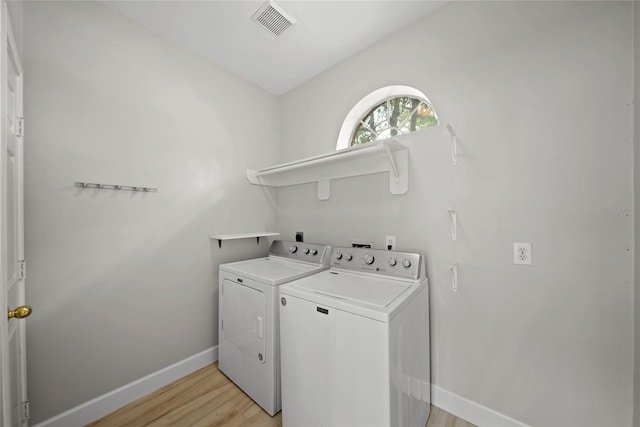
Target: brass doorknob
20 312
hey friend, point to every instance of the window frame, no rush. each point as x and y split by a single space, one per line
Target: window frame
364 106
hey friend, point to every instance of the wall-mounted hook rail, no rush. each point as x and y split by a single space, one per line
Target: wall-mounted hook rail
453 215
114 187
454 145
454 276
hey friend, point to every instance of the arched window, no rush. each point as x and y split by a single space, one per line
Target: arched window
384 113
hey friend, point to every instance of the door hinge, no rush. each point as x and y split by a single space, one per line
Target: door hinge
22 270
20 126
25 407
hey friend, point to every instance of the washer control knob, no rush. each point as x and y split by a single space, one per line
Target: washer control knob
349 257
283 301
406 263
392 261
368 259
338 255
306 250
314 252
293 249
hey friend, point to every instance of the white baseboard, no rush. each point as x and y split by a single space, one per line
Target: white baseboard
470 411
115 399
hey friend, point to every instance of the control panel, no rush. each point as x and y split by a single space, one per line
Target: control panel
405 265
301 251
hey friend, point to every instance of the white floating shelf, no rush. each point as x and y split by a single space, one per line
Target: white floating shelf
221 237
384 156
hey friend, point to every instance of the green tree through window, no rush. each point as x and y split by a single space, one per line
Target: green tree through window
395 116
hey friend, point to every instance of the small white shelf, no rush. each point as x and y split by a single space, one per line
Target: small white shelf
221 237
388 155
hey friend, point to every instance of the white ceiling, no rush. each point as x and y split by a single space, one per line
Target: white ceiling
326 33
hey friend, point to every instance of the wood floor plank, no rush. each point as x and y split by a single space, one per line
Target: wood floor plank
253 410
435 418
207 398
262 419
220 416
149 408
243 402
236 420
199 407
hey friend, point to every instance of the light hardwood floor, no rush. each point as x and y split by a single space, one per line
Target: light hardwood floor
208 398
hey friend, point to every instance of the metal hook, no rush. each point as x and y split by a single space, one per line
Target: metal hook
454 224
454 145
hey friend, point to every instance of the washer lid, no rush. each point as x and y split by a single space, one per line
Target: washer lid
273 271
378 292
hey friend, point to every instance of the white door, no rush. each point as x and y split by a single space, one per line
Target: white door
13 390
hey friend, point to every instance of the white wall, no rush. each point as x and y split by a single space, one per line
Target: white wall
15 13
540 95
123 284
636 194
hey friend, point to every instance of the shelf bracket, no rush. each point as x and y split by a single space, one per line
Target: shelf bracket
399 177
453 215
454 145
324 189
220 242
392 159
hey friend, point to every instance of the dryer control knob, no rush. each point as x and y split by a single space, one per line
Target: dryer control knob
349 257
293 249
338 255
306 250
406 263
368 259
314 252
392 261
283 301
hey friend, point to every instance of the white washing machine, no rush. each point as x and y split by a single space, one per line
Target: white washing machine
248 332
354 342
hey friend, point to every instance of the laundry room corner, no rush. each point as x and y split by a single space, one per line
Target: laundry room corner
404 209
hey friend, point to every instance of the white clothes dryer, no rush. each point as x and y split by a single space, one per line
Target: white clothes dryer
354 342
248 327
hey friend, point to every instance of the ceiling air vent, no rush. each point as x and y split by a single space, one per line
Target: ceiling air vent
272 18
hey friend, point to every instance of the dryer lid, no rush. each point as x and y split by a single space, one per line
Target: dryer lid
272 271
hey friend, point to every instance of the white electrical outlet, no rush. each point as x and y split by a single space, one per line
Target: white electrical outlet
390 242
522 253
